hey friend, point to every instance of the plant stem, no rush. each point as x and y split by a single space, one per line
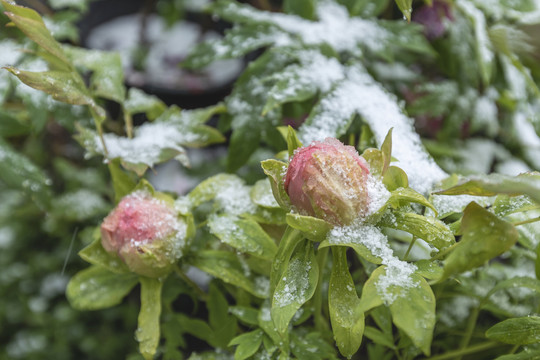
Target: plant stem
514 349
320 322
128 121
470 350
444 252
202 295
409 249
528 221
471 324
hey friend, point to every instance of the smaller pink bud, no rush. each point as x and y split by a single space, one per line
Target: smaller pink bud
145 233
328 180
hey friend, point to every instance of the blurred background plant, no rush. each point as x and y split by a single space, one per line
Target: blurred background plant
465 71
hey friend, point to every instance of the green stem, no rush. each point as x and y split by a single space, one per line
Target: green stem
409 249
528 221
128 121
444 252
202 295
320 322
470 350
471 324
514 349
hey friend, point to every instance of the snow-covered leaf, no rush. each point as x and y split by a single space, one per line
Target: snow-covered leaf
243 234
313 228
138 101
296 286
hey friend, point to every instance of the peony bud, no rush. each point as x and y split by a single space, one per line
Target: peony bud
328 180
145 233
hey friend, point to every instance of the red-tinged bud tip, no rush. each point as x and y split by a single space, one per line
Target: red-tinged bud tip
328 180
145 233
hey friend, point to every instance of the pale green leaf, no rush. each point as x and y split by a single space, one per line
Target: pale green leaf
98 288
517 331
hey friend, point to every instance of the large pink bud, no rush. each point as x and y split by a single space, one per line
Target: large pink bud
145 233
328 180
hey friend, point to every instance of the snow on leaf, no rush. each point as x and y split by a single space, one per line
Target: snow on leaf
361 94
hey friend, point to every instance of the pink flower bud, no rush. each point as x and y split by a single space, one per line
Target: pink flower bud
145 233
328 180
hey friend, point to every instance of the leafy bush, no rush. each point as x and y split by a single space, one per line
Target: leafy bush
420 238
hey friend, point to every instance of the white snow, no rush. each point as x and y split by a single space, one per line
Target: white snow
148 143
398 272
334 27
361 94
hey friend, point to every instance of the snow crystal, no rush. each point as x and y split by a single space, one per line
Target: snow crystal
334 27
234 198
398 272
148 143
295 288
447 205
378 194
363 95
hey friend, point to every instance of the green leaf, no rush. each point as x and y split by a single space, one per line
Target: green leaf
370 294
303 8
243 143
343 302
288 243
18 172
138 101
413 312
275 171
485 236
61 85
98 288
262 195
107 74
244 235
227 266
293 143
505 205
386 149
376 160
404 196
406 8
296 287
378 337
430 229
313 228
517 331
196 327
395 178
223 324
12 125
245 314
29 22
248 344
148 330
123 183
429 269
95 254
493 184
